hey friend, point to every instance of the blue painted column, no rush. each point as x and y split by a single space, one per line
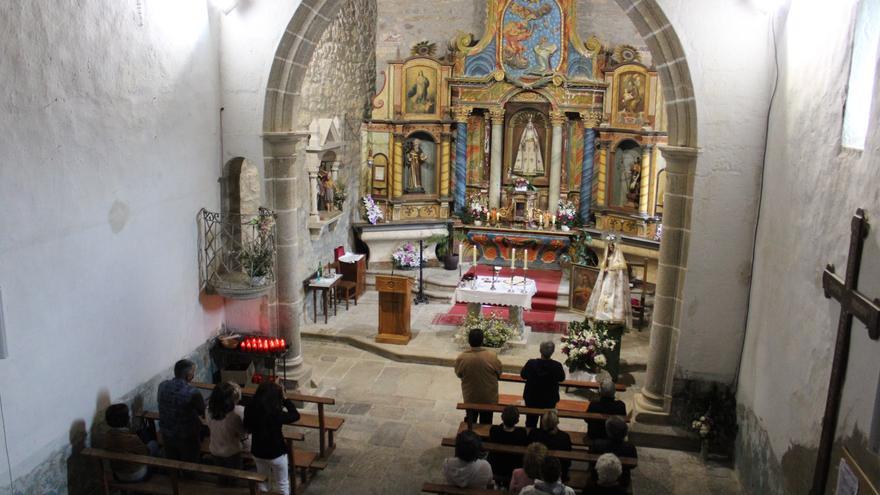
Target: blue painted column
461 116
587 172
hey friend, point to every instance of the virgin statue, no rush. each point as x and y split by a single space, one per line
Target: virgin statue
528 155
610 299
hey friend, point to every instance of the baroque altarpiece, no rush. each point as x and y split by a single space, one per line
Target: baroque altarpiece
528 102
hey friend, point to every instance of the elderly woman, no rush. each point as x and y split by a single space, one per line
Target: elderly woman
616 443
606 404
467 469
553 438
549 482
533 461
608 470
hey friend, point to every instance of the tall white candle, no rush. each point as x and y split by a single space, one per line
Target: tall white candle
475 255
460 252
526 260
513 258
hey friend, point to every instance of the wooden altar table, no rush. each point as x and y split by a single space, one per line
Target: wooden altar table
517 296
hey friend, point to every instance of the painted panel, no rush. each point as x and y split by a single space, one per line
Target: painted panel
531 37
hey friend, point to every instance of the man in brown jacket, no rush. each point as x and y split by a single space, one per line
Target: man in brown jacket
479 370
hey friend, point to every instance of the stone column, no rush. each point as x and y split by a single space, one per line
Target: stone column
497 116
644 184
461 118
443 189
557 120
656 394
313 191
602 180
590 122
284 178
397 186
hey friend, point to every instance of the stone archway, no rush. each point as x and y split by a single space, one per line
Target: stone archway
283 99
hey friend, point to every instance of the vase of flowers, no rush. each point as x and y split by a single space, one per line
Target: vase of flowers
703 426
372 212
497 332
474 212
589 346
407 257
521 184
566 215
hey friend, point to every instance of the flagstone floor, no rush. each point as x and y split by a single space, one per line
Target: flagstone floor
397 412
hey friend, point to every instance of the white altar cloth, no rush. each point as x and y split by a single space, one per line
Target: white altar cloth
504 295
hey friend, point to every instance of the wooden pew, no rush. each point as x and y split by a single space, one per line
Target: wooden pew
324 424
173 483
571 455
511 377
300 459
534 410
454 490
562 405
578 438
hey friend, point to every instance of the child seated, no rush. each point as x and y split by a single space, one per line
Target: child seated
120 438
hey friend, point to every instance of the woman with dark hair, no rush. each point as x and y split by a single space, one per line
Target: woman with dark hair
225 420
552 437
263 417
533 462
507 433
468 469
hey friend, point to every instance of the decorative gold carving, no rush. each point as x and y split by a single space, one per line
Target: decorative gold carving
593 45
497 115
591 119
557 80
528 96
462 113
557 118
429 211
424 49
397 184
498 75
625 54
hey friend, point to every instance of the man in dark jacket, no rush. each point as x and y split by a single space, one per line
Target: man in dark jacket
542 378
180 409
606 404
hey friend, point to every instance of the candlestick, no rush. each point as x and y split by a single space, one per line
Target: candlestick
526 261
513 258
475 258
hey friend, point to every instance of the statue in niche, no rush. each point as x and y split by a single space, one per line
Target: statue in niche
528 156
326 191
634 181
415 158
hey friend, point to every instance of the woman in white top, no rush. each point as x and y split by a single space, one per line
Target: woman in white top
225 421
468 469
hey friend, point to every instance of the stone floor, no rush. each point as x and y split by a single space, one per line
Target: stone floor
397 412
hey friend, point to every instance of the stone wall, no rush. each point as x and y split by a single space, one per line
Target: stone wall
109 130
812 188
339 82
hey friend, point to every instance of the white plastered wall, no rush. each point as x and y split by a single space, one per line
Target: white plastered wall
109 136
811 191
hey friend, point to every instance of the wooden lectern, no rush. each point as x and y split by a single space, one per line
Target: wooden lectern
394 302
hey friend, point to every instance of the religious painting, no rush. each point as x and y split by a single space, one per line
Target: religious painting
527 144
420 164
420 90
531 38
630 96
380 162
626 175
583 279
476 151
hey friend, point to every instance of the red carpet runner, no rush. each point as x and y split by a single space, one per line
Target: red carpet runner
541 317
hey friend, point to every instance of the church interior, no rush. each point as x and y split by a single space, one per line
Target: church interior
678 201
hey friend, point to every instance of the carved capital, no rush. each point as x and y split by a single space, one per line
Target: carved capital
557 118
591 119
497 115
603 145
462 113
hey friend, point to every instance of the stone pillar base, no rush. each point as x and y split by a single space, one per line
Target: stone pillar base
296 373
648 406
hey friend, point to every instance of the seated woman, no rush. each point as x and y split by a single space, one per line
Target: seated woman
225 420
532 463
616 444
608 471
606 404
120 438
506 433
467 469
549 482
553 438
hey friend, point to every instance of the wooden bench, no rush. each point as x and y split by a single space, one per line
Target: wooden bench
592 385
535 410
578 438
326 425
454 490
298 459
562 405
172 482
571 455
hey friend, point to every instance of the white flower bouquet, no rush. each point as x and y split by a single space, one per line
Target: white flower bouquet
585 346
372 211
407 256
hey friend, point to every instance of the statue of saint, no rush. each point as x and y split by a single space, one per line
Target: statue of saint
415 157
326 191
528 156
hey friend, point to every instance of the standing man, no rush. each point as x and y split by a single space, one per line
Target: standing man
180 408
542 378
479 370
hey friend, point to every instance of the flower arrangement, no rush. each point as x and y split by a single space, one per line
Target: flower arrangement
407 256
521 184
256 256
703 426
585 346
496 331
474 211
339 196
566 214
372 212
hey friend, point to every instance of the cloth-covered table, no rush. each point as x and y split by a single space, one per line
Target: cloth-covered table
516 296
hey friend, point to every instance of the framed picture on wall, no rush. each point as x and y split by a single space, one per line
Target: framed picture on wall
583 279
378 173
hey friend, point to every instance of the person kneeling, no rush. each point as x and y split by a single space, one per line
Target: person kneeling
550 481
467 469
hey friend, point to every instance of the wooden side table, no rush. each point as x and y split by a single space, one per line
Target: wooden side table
327 287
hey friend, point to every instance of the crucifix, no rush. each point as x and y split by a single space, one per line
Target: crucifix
852 303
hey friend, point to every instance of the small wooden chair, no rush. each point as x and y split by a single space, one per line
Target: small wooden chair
345 289
641 305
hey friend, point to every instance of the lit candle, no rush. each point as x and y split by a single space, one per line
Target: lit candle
553 221
513 258
526 260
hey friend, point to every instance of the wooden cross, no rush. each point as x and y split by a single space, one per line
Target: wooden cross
852 303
